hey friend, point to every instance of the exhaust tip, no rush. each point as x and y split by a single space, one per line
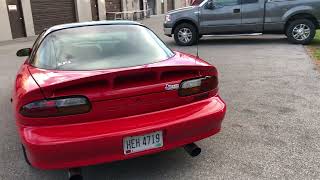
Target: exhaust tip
75 174
192 149
76 177
196 152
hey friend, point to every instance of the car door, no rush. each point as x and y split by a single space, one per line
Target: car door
252 16
224 18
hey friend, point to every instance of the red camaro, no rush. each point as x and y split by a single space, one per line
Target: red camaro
99 92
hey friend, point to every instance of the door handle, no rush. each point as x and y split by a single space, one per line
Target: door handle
236 11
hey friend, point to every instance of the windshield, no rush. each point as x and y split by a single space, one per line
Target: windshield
196 2
100 47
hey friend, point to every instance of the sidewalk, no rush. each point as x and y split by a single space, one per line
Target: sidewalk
19 40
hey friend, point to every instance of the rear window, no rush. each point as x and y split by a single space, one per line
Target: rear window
100 47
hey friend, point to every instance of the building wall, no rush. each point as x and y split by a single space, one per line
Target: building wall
177 4
4 21
161 6
28 19
181 3
131 5
83 8
112 6
102 9
83 11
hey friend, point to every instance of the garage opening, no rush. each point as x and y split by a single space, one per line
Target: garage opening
47 13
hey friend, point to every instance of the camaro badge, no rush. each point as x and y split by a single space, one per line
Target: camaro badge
170 87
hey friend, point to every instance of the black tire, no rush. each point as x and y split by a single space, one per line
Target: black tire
301 40
25 156
191 28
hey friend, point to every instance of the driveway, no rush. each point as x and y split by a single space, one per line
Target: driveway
271 131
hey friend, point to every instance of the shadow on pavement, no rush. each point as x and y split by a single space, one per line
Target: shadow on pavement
156 166
213 41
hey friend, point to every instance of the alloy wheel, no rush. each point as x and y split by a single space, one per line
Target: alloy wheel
185 35
301 32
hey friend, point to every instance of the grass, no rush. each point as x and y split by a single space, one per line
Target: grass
316 42
315 47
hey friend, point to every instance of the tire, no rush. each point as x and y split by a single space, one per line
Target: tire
297 31
25 156
190 36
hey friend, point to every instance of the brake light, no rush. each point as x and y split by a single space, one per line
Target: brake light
56 107
196 86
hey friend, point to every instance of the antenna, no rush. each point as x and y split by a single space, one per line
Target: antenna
198 14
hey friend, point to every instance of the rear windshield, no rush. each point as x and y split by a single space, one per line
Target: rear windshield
100 47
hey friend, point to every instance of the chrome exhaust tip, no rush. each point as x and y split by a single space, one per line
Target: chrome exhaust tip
192 149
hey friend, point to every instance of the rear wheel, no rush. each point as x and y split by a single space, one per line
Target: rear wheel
185 34
301 31
25 155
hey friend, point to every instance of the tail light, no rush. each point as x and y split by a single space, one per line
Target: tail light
199 85
56 107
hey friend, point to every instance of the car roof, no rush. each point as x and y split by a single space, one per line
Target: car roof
92 23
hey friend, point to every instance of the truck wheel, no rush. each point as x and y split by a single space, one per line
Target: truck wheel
185 34
301 31
25 155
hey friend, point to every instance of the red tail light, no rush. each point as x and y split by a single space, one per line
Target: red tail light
199 85
56 107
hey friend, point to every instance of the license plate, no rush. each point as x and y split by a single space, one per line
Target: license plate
135 144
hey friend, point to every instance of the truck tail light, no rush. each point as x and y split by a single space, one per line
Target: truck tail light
56 107
199 85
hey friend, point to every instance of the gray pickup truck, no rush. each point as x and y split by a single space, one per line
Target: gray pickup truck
297 19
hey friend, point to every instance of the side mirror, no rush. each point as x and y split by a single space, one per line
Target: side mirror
210 4
24 52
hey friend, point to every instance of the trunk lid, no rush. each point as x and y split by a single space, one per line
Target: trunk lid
126 91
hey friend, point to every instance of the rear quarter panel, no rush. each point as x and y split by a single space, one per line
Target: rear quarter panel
25 91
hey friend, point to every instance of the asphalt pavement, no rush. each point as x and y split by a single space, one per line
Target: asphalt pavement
271 131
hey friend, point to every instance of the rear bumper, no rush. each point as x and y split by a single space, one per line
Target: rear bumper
76 145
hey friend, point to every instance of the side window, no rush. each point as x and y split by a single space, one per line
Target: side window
227 2
249 1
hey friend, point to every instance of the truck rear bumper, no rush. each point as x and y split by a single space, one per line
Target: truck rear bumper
77 145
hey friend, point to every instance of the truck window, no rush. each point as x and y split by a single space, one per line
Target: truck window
249 1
